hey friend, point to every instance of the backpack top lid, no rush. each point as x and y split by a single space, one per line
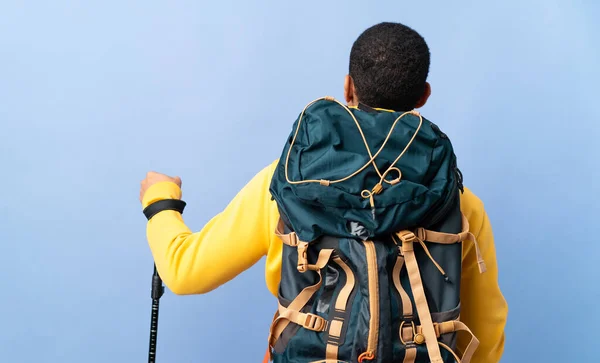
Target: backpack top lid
327 145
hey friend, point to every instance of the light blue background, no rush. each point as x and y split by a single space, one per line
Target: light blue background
95 94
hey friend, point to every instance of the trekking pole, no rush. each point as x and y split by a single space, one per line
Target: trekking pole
157 292
157 283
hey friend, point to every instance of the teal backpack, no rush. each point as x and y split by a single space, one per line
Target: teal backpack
372 235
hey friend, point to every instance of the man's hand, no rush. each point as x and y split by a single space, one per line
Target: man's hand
153 178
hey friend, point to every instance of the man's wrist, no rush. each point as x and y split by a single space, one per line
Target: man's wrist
153 209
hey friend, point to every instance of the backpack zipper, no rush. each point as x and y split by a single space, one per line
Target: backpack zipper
373 276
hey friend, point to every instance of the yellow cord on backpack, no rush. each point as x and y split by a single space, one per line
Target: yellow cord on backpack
378 188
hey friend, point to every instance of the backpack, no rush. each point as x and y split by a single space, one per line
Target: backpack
372 235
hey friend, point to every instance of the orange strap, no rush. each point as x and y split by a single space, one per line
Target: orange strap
410 354
410 334
307 320
449 238
455 326
416 284
428 332
281 322
336 325
290 239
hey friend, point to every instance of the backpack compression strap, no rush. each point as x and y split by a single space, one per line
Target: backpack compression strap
293 313
447 238
408 238
428 331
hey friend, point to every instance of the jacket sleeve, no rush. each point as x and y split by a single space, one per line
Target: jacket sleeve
483 307
231 242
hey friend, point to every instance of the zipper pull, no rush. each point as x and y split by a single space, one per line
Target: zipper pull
368 355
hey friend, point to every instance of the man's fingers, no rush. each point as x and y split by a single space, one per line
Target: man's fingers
153 178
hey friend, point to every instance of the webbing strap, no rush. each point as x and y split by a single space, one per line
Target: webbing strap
446 327
290 239
342 301
307 320
444 238
428 330
407 310
337 323
449 238
281 322
331 351
416 284
473 343
410 354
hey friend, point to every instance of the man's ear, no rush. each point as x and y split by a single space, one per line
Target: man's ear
349 91
425 97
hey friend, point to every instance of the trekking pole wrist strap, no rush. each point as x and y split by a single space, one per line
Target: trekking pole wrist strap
161 205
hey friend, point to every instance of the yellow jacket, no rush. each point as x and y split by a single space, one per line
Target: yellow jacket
196 263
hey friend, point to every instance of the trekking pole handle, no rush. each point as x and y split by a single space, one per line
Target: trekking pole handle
157 285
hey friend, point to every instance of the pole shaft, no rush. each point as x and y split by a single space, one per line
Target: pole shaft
157 292
153 331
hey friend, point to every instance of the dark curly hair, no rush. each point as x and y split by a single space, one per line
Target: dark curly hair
389 64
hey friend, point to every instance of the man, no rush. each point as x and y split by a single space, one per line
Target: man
389 64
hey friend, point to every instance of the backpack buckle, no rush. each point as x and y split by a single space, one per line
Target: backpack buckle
421 234
302 256
407 236
416 337
315 322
